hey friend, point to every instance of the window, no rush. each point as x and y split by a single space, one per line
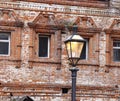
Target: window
84 54
43 46
116 50
4 43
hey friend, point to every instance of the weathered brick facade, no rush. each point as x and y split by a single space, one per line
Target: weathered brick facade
23 72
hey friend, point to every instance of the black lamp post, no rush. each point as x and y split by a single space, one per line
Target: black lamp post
74 45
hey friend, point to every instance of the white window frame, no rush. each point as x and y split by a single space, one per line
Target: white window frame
48 45
8 34
116 48
87 42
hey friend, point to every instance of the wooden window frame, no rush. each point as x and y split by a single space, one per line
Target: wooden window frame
34 46
93 52
14 56
111 36
55 44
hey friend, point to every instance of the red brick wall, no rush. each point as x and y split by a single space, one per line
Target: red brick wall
24 73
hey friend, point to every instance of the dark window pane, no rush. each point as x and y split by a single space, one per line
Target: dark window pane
116 54
116 44
3 36
4 48
102 0
85 50
83 54
43 46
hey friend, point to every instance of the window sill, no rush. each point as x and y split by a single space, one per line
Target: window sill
46 60
1 55
8 58
88 63
113 64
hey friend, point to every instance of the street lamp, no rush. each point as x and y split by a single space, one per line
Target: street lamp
74 45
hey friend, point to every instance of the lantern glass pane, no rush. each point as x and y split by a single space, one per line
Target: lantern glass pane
68 46
76 48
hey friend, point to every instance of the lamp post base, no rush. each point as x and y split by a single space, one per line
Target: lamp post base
73 75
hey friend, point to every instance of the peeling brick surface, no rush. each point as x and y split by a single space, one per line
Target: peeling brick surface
24 73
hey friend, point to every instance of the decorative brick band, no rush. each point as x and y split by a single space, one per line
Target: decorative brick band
58 8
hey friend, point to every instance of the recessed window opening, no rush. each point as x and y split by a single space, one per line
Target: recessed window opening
116 51
84 54
44 46
4 43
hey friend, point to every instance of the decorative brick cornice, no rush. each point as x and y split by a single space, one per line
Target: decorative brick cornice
113 32
114 29
61 27
97 4
11 23
9 18
65 9
52 22
115 24
38 27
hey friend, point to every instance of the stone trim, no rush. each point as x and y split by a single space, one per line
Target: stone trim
58 8
94 3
